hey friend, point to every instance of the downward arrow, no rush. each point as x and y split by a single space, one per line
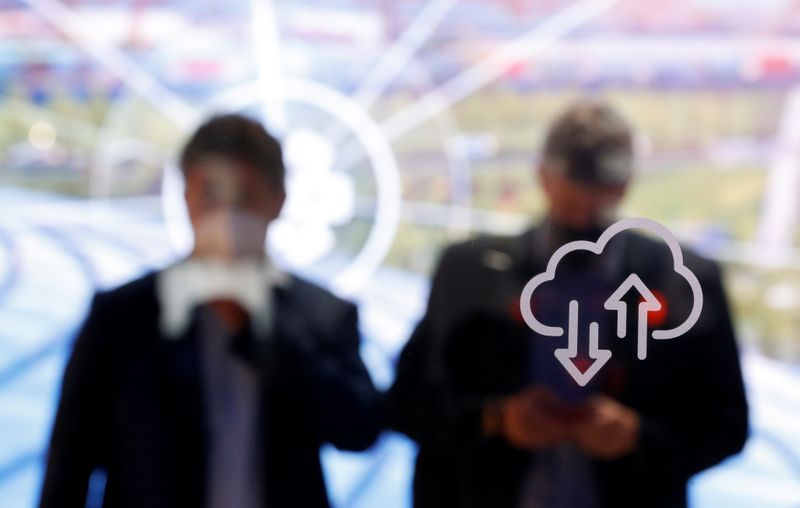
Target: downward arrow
567 355
649 303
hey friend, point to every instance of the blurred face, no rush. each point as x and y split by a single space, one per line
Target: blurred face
579 205
230 206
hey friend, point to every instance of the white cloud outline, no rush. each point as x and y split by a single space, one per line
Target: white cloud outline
596 248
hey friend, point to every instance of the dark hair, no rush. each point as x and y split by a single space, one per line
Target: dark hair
239 138
591 141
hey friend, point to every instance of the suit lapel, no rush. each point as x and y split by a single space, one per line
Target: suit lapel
182 437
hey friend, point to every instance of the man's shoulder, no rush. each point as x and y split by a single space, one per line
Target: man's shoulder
482 248
132 293
314 291
317 302
124 309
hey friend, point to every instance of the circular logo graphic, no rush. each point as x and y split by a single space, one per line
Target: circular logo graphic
319 198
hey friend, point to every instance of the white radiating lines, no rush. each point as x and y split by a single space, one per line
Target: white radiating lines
781 202
125 69
397 57
494 65
266 36
184 115
266 42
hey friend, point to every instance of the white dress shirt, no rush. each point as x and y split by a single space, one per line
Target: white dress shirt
192 282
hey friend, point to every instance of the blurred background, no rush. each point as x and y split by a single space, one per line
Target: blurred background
407 124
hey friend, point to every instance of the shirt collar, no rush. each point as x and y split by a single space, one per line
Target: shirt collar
192 282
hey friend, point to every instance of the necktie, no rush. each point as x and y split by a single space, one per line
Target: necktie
233 395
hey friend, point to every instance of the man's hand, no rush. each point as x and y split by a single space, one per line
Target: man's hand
525 420
610 430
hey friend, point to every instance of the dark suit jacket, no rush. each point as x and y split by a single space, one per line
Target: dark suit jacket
132 404
471 346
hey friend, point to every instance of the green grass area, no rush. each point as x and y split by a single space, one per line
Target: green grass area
730 198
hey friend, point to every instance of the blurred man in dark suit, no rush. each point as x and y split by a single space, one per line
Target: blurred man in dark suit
498 420
214 382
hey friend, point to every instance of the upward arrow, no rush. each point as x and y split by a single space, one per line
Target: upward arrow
567 355
648 303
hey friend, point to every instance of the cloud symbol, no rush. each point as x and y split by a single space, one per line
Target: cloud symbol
597 248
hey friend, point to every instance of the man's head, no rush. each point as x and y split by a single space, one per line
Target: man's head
234 176
586 165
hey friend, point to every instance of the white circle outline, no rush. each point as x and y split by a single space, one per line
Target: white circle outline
387 173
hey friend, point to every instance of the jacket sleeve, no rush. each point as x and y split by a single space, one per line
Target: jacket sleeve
342 401
79 436
427 407
709 420
422 403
